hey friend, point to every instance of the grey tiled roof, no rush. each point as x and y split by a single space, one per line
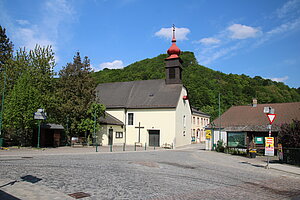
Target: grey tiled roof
52 126
199 113
139 94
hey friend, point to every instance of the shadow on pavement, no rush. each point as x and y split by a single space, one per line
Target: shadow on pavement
30 179
254 165
6 196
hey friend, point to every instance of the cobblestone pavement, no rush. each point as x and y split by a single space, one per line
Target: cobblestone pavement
186 173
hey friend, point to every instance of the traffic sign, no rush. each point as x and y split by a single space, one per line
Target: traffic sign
208 134
271 117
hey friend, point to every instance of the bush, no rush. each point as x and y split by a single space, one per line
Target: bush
220 146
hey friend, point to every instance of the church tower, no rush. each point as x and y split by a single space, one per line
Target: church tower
173 63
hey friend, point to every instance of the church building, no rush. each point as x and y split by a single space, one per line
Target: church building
151 112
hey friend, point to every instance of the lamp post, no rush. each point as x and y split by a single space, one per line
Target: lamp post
2 104
39 115
213 136
95 138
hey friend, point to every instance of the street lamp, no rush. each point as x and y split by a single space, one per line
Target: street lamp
2 104
40 115
213 135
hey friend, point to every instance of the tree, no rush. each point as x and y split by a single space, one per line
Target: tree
91 123
30 86
289 135
6 47
76 92
23 101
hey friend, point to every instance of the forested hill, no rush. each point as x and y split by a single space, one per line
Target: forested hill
204 84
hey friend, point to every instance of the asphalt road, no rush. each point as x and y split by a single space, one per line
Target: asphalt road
168 174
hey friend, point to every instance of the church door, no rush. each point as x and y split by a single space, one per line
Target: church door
154 138
110 137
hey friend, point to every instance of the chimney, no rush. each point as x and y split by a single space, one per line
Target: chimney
254 103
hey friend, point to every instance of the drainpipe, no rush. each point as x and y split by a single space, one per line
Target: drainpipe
125 132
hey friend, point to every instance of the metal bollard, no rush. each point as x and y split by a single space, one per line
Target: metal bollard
145 146
96 147
110 147
123 146
134 147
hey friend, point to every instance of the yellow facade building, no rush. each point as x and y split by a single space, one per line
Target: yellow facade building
199 121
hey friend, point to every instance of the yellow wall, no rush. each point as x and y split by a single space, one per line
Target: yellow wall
168 121
183 126
151 119
104 131
203 121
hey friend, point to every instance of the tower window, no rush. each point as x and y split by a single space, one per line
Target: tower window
171 73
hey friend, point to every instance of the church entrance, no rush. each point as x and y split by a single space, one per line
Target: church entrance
110 136
154 138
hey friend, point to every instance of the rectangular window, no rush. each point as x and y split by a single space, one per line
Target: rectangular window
193 120
197 120
171 73
237 139
130 118
119 134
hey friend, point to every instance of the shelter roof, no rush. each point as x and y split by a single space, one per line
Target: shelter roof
251 118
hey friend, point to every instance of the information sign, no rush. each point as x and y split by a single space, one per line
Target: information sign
208 134
269 148
259 140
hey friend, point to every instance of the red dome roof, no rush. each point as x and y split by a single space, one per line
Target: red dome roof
173 51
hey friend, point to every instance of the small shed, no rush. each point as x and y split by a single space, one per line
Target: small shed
51 135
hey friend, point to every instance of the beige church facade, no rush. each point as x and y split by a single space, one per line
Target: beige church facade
147 112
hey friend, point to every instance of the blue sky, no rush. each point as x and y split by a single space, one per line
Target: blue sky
252 37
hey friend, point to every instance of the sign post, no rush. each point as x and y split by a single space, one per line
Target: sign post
269 141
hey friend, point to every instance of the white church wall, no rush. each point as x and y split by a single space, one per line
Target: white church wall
183 121
151 119
104 132
117 113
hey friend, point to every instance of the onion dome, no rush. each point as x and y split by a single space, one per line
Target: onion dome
173 51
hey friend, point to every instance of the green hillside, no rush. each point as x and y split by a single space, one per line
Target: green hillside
205 84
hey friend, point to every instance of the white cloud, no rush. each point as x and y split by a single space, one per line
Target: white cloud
288 8
116 64
180 33
239 31
207 56
23 22
209 41
31 37
279 30
281 79
285 27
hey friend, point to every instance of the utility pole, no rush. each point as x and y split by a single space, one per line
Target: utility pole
219 116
